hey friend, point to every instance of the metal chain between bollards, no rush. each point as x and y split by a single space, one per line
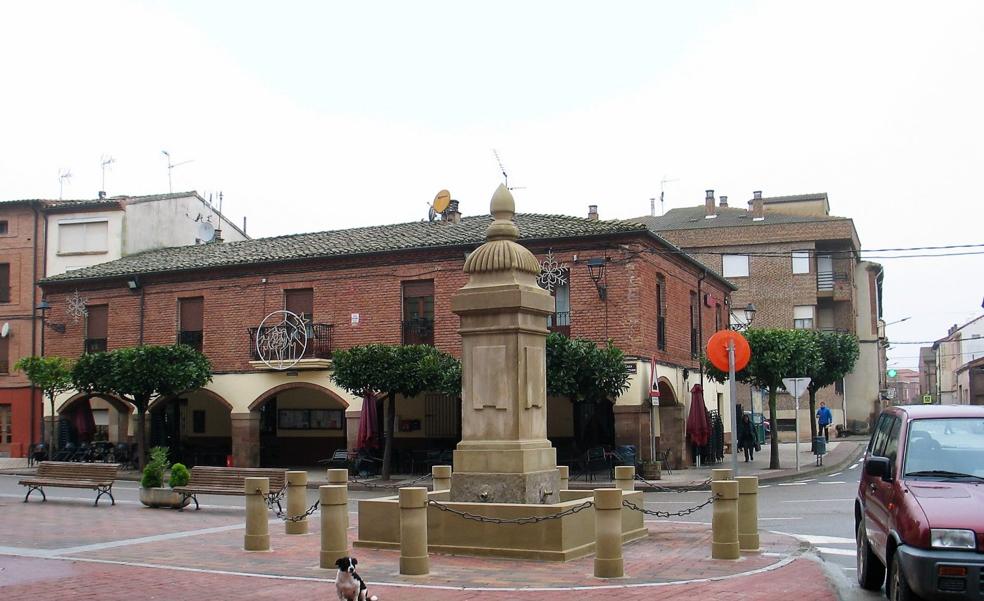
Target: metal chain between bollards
677 489
275 498
668 514
527 520
402 484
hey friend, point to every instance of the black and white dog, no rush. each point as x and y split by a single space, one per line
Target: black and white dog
348 584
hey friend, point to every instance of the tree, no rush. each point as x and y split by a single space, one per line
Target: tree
838 354
53 376
776 354
142 374
406 370
580 371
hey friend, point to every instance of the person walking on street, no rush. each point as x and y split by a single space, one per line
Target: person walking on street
824 418
747 440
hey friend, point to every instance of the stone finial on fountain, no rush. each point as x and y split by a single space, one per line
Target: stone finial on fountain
500 251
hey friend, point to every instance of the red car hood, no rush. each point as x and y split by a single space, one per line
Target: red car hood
950 504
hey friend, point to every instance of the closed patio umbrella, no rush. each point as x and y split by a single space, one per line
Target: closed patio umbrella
84 421
367 423
698 428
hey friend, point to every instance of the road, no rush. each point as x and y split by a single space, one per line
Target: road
818 511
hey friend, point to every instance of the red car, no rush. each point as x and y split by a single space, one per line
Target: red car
920 505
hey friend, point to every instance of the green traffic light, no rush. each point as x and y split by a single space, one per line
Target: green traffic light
892 373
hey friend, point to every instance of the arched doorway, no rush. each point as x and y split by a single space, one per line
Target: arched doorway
196 428
94 417
672 426
299 424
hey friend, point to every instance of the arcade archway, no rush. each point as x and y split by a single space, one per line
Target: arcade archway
672 425
196 428
299 424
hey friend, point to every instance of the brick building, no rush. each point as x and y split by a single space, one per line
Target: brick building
800 267
903 387
41 238
959 364
387 284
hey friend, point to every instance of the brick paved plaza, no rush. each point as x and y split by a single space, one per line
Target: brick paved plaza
67 549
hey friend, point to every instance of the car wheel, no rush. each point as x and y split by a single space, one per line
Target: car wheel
871 572
897 587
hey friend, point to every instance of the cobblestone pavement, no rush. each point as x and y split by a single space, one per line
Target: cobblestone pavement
67 549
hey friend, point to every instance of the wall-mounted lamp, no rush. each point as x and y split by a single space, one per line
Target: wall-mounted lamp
741 319
133 283
596 269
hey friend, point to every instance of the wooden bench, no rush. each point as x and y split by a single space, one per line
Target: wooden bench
95 476
208 480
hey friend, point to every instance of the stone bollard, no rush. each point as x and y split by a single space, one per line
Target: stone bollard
441 474
608 533
296 502
721 474
625 477
565 477
336 476
724 523
333 500
413 532
257 536
748 535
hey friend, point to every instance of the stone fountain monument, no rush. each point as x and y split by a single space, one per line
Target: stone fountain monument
504 466
504 455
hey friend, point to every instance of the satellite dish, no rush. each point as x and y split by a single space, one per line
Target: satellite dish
441 201
205 231
5 329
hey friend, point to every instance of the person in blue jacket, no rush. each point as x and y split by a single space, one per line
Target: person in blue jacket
824 418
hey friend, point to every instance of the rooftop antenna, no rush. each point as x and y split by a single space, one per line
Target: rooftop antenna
171 166
64 175
105 162
505 177
662 198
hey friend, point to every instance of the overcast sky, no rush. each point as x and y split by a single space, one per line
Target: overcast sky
325 115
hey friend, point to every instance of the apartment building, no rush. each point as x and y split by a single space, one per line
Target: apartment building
959 364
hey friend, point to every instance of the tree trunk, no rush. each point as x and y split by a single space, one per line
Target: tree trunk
51 433
774 443
141 436
813 415
388 430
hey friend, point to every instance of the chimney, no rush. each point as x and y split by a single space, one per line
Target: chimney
593 212
451 214
102 194
709 205
724 201
757 206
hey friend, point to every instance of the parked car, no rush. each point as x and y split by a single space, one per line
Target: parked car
920 505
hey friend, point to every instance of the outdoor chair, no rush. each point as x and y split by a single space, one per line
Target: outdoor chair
38 453
65 453
339 460
365 464
664 460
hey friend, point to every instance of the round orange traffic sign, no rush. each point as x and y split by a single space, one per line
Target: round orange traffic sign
717 350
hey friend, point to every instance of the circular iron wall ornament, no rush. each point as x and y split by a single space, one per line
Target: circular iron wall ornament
281 340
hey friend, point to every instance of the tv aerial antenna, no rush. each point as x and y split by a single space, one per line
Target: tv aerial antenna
171 166
105 162
662 198
505 176
64 175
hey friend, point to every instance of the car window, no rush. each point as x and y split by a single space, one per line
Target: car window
945 447
877 444
892 442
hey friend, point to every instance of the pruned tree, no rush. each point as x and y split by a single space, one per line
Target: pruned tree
141 375
52 376
776 354
838 354
587 375
406 370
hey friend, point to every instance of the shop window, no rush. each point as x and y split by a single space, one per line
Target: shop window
6 429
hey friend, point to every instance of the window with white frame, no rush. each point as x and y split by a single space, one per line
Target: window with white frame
801 261
803 317
83 237
735 266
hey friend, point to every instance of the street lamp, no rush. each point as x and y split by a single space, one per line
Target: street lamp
596 270
742 319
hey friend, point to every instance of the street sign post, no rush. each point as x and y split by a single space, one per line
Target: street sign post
728 350
796 387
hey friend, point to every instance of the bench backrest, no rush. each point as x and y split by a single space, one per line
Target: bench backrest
235 477
69 470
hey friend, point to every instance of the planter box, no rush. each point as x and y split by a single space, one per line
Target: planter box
652 470
162 497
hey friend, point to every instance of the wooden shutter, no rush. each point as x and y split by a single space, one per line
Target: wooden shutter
97 323
418 288
191 314
300 302
4 282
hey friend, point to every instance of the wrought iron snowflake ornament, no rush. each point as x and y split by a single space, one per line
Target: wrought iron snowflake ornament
552 274
76 307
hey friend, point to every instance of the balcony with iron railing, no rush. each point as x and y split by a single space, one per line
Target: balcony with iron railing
317 345
95 345
832 283
560 322
418 331
192 339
